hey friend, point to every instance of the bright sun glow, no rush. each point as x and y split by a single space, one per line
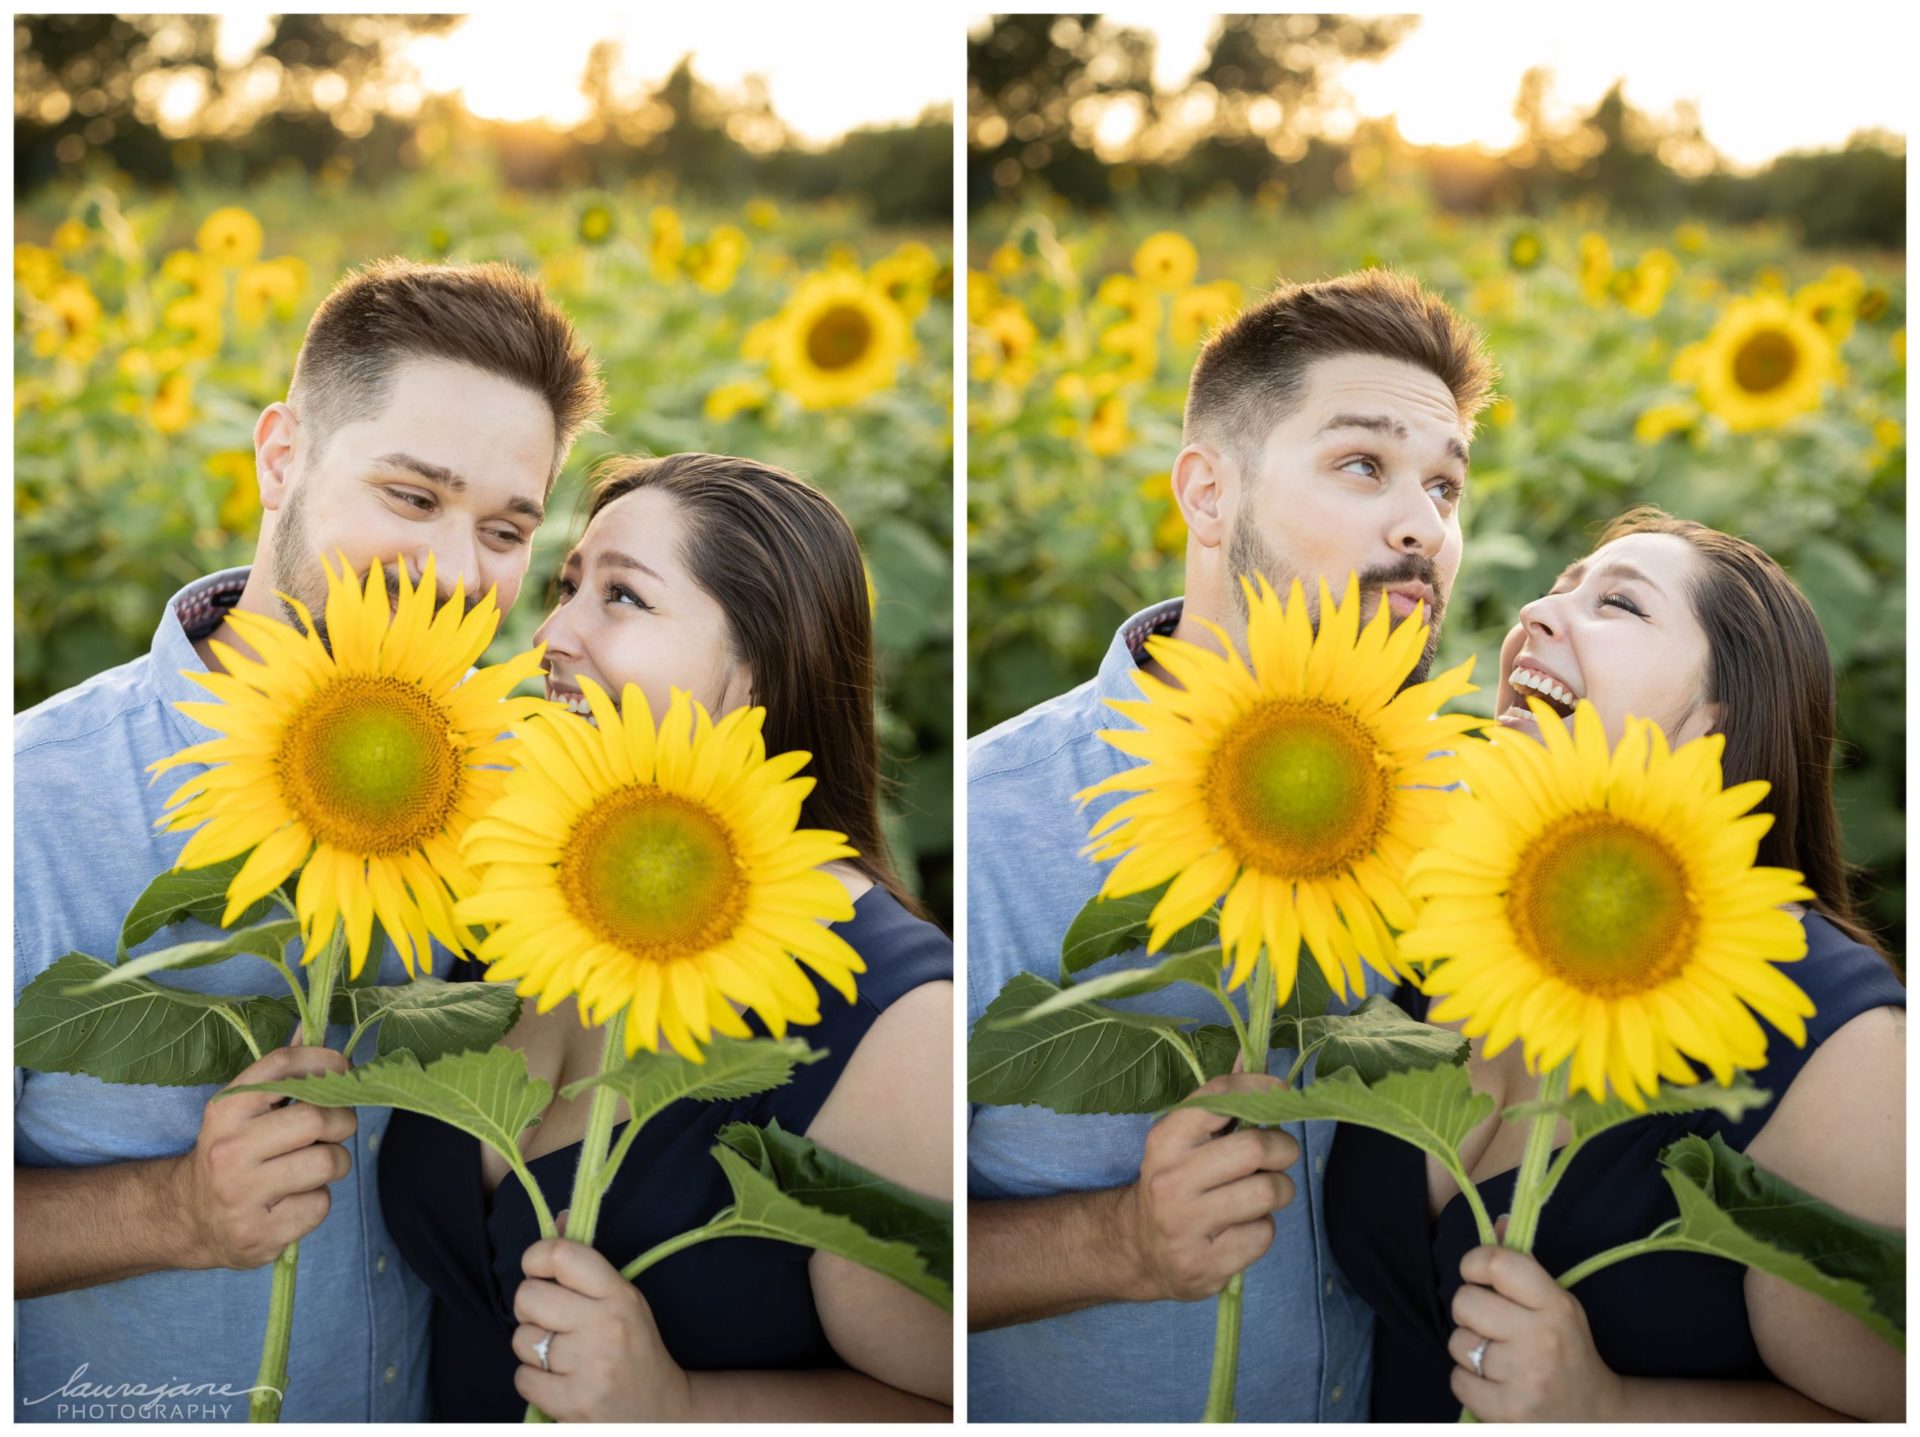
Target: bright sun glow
1452 81
817 83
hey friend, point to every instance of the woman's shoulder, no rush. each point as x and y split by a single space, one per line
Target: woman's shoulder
901 950
1842 976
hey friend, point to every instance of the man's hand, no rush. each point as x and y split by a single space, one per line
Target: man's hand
1202 1208
257 1177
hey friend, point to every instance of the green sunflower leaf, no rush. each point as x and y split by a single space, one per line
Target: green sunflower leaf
1732 1209
1201 967
1107 927
823 1179
1587 1119
1081 1060
735 1068
265 940
786 1189
1299 1022
488 1093
190 893
1432 1108
1376 1039
139 1031
430 1017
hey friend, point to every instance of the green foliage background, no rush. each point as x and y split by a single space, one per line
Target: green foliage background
112 515
1062 542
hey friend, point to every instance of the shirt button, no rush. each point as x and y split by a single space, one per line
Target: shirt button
1320 1164
373 1142
1329 1283
393 1372
1333 1396
380 1265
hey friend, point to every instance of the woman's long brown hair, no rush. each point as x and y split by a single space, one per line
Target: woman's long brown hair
1769 671
784 566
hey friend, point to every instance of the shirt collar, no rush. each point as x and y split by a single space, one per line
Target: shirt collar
193 613
1124 654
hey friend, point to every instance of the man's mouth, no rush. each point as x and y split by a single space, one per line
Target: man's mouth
1402 599
1525 680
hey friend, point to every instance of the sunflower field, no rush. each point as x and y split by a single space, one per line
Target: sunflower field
150 330
1729 376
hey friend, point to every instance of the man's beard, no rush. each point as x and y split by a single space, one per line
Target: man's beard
296 569
1247 553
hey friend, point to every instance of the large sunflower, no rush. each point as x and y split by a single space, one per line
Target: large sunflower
1764 363
365 763
839 340
1605 907
659 871
1298 785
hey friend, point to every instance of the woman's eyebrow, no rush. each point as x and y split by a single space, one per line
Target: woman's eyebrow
1620 569
614 559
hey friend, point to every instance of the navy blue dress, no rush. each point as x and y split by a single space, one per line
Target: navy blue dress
727 1304
1659 1315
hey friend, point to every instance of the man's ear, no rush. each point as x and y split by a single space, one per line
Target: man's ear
1202 480
275 436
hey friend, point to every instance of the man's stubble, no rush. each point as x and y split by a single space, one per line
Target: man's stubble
1248 553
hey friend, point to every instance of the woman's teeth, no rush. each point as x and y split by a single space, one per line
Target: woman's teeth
1553 692
573 703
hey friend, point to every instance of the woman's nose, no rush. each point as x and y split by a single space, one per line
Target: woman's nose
1542 614
555 632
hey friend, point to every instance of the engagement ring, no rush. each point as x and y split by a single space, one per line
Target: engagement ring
540 1351
1476 1357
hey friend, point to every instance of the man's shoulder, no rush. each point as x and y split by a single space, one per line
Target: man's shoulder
92 710
1043 733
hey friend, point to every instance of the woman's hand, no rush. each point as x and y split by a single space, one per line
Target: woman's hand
1540 1363
606 1361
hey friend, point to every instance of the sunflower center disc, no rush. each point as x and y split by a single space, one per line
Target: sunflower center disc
839 338
1296 789
370 765
1765 362
653 874
1604 905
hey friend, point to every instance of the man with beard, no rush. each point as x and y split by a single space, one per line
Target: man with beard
1325 434
431 409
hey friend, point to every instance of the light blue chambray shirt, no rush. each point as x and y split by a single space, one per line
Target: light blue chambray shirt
84 848
1306 1345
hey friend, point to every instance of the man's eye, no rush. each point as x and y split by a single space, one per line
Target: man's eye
1449 489
1373 465
508 536
407 496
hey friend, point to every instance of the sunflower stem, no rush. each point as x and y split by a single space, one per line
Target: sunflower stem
1226 1353
270 1383
1529 1189
589 1182
1658 1241
718 1226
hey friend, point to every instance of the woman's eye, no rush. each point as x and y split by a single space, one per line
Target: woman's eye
1621 601
565 588
621 594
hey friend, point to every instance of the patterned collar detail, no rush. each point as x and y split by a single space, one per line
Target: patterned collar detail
1161 619
202 607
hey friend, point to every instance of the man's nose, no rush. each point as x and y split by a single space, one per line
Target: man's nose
455 561
1417 527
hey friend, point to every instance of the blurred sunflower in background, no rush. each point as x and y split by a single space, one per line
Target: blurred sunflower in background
839 339
1166 261
231 237
1764 364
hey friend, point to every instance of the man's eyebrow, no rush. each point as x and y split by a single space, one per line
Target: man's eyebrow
1382 424
614 559
447 479
434 473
